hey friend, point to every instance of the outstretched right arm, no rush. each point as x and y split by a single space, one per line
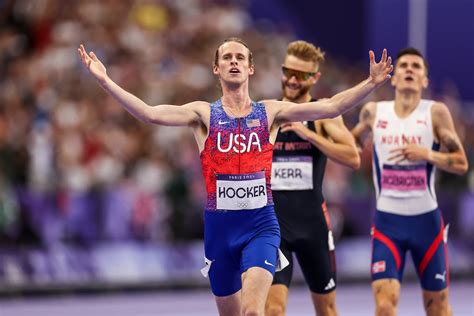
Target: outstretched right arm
162 114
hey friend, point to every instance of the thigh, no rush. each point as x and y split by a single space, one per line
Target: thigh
223 264
386 291
429 251
388 246
229 305
224 276
261 247
316 257
261 251
277 300
284 276
256 283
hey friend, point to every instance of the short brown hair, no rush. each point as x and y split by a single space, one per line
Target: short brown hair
305 51
412 51
233 39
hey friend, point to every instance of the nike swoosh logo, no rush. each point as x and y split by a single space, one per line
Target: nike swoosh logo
222 123
268 263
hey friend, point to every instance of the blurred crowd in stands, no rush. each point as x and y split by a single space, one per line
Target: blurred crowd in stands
75 167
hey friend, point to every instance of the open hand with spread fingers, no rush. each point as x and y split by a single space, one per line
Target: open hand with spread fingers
93 64
380 72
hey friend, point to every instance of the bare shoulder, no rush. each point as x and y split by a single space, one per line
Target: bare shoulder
273 108
367 114
440 114
370 107
439 109
200 107
197 105
272 104
200 111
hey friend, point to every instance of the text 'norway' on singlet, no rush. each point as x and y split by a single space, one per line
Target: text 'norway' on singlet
404 188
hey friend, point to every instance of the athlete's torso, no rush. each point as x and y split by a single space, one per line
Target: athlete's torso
404 188
298 167
236 160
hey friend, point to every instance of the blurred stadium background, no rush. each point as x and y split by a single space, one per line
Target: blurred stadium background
93 200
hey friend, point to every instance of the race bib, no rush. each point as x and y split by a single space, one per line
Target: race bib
404 180
292 173
241 191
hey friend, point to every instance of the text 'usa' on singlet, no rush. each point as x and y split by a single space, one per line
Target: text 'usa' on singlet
236 160
404 188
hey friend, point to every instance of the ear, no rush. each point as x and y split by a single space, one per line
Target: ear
392 81
314 79
426 82
251 70
215 69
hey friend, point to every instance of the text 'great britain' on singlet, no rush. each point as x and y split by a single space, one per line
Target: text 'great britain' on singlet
404 188
236 160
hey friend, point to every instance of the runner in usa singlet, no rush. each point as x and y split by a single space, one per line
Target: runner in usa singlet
241 227
236 160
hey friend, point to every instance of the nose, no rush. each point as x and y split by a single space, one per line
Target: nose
292 79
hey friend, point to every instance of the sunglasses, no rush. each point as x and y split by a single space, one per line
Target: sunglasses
299 75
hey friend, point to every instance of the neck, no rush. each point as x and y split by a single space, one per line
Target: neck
406 102
301 99
236 97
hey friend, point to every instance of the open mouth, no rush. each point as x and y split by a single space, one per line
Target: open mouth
234 71
409 79
293 87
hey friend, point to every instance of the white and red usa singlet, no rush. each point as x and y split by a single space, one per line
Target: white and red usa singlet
237 160
404 188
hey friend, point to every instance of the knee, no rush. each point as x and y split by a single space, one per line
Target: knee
326 309
274 310
251 312
439 309
386 307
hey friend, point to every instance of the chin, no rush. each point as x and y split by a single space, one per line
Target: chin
410 89
234 80
291 94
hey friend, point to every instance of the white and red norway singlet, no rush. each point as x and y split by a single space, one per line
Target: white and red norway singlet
404 188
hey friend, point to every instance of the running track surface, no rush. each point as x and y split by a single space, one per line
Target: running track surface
352 299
